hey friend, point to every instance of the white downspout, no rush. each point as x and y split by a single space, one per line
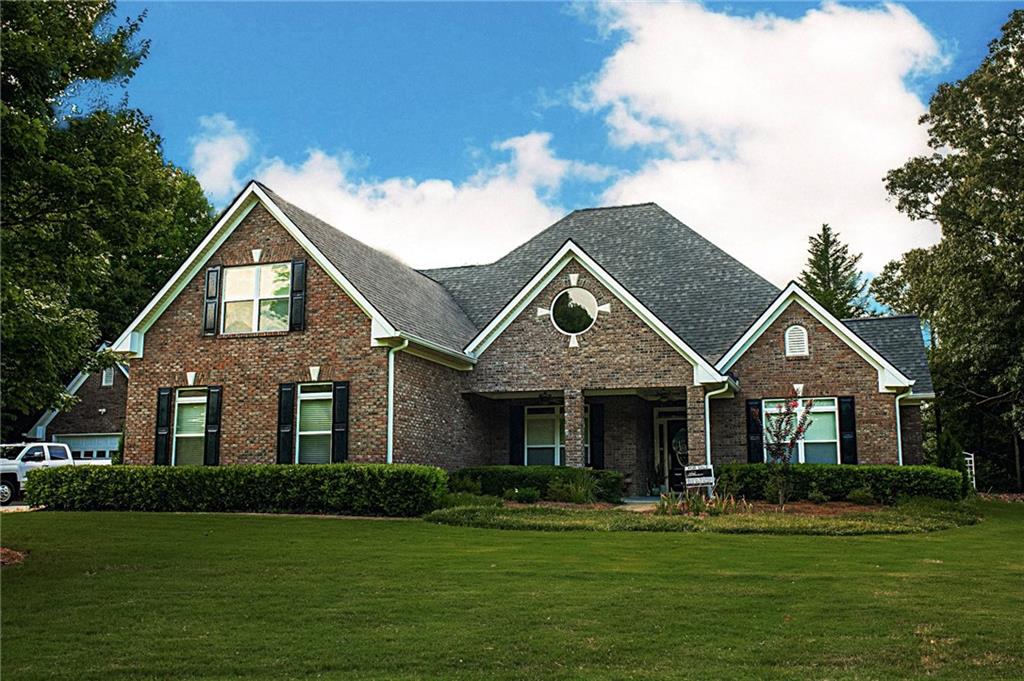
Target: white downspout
391 398
707 421
899 429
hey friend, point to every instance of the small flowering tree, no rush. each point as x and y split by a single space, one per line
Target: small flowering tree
784 428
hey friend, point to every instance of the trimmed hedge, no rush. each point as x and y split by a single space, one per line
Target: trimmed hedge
887 483
347 489
494 480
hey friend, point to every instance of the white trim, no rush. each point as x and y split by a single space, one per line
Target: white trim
391 399
132 339
890 379
899 429
703 372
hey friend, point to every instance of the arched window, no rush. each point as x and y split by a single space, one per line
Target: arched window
796 341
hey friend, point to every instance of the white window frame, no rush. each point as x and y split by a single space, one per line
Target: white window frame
800 330
255 298
327 396
558 413
833 408
182 397
107 377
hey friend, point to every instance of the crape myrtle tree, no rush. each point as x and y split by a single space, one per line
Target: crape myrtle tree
784 427
969 288
93 219
831 275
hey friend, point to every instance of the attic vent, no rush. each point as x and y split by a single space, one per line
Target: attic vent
796 341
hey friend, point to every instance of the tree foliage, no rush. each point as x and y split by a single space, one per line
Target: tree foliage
970 286
94 220
831 275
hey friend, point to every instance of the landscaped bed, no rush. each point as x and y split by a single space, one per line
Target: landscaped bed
914 516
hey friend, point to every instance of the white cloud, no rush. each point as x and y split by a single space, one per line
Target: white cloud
762 127
435 222
217 152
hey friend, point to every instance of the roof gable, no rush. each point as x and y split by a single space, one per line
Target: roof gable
696 289
398 299
703 371
889 377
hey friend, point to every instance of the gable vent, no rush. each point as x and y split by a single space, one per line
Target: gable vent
796 341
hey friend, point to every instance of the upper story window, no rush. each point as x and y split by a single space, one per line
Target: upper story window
796 341
107 379
256 298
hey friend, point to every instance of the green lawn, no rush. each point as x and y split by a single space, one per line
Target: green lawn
117 595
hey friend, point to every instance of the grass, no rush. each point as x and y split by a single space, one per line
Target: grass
145 596
920 515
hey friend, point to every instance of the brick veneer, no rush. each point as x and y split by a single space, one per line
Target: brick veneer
912 430
93 398
833 369
250 367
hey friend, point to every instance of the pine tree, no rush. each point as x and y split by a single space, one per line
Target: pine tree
832 277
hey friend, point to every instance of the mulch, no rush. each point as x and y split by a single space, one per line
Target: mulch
809 508
1011 497
11 557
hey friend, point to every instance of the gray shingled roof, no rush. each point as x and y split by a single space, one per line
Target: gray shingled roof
899 340
703 294
410 301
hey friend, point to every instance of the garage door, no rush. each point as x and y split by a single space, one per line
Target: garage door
90 446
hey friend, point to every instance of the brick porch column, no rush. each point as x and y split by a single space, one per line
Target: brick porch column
695 424
574 455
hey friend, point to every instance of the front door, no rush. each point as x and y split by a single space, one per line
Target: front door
671 447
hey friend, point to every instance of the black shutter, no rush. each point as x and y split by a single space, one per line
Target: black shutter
339 425
211 444
597 436
286 423
211 301
847 431
298 302
162 448
755 432
515 435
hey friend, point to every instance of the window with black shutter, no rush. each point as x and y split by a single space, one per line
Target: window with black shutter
755 432
211 301
162 447
298 296
515 436
847 431
285 422
339 425
211 445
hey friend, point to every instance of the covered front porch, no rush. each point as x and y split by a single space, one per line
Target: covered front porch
648 435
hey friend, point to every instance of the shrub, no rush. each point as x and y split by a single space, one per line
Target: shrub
524 495
460 499
816 495
887 484
580 490
464 485
496 479
949 454
349 489
861 495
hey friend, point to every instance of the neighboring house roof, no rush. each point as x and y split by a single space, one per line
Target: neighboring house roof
703 294
898 339
410 301
39 429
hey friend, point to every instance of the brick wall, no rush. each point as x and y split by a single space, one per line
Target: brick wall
832 369
93 398
250 367
620 351
912 430
436 424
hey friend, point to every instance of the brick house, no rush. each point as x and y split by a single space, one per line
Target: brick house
92 426
616 338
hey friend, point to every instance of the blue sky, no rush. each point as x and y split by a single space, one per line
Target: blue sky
448 132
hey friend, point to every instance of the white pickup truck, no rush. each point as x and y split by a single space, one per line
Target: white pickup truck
18 460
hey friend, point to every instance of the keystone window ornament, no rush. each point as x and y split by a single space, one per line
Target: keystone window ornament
574 311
